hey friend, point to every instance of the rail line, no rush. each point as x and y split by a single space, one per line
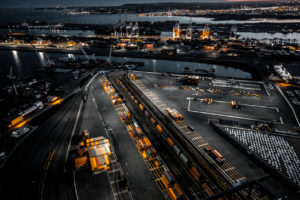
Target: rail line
225 175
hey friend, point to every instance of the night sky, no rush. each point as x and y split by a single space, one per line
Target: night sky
51 3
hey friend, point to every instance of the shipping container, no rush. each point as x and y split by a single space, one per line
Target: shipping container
207 148
147 141
139 131
217 154
169 177
164 135
16 121
81 151
165 181
178 189
165 167
195 173
147 114
157 164
207 189
158 127
132 76
81 161
184 159
152 120
86 134
173 193
176 149
170 141
141 107
191 128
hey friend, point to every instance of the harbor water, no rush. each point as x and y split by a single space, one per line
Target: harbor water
24 61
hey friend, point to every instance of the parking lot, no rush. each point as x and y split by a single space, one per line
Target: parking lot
171 92
245 111
273 150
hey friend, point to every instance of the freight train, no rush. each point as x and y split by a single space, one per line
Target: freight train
198 177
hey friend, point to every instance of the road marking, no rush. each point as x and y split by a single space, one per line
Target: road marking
250 105
75 186
122 192
267 90
228 169
201 145
223 115
99 114
74 128
295 115
196 138
115 170
86 87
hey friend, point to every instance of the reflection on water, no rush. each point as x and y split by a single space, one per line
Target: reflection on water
25 61
42 58
178 67
16 58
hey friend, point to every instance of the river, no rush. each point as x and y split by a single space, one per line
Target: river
23 62
18 15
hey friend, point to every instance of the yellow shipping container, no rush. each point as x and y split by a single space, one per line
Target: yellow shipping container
93 163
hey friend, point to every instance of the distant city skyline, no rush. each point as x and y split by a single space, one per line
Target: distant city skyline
52 3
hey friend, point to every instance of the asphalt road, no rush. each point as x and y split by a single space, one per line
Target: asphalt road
36 169
92 186
135 170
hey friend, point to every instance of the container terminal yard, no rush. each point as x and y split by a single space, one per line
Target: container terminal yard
150 110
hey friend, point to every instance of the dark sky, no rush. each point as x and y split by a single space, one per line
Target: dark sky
40 3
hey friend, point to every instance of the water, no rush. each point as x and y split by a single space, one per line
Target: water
18 15
23 62
154 65
51 32
253 35
260 36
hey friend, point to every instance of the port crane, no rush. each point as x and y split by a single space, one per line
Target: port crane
86 55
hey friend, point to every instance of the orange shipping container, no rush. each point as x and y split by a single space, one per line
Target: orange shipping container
131 134
195 173
93 163
139 131
147 141
178 189
16 121
207 189
152 120
156 163
80 161
158 127
165 181
170 141
173 194
217 154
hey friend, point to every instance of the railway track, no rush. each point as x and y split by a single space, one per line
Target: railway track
225 175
